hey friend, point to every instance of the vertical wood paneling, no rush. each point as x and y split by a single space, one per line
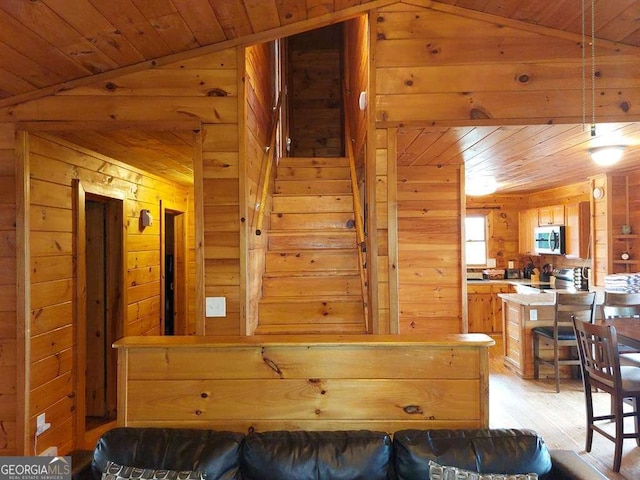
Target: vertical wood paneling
55 164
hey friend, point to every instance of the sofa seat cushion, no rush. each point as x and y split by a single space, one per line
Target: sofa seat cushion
309 455
506 451
215 453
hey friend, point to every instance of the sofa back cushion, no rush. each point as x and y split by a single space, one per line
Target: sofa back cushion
215 453
508 451
308 455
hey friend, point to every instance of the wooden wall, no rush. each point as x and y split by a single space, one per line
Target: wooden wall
356 72
502 222
315 93
429 203
13 346
260 97
495 73
53 167
318 382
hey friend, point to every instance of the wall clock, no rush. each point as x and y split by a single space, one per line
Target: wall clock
598 193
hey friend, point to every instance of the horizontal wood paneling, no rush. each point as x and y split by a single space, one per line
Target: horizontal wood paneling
52 282
422 59
12 394
429 220
310 385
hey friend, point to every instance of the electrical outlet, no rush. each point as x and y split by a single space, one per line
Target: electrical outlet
215 307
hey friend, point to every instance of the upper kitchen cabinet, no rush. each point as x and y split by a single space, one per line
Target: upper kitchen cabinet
527 222
577 230
553 215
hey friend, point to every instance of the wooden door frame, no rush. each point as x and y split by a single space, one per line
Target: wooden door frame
80 191
180 293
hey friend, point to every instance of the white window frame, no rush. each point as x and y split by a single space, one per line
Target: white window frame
485 239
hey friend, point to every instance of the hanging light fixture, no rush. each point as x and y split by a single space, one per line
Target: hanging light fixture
603 155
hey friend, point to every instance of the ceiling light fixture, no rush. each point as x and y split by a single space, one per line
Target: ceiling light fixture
481 185
607 155
604 155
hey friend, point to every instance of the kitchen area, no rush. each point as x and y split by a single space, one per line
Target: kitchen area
566 239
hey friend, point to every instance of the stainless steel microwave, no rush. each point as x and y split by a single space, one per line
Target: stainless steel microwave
549 240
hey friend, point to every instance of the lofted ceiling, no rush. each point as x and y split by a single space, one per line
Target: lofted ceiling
49 45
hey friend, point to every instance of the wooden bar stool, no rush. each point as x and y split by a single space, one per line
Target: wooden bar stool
617 304
561 334
600 365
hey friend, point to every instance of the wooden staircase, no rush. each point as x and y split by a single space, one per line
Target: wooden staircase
312 281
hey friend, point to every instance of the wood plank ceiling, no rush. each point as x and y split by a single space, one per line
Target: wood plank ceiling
46 45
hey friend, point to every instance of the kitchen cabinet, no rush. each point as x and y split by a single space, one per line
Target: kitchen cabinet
577 231
552 215
485 307
527 222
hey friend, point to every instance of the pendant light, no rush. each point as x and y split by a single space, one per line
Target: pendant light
603 155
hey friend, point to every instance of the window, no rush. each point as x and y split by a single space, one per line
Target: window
476 239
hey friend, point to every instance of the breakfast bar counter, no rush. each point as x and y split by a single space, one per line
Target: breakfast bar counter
520 314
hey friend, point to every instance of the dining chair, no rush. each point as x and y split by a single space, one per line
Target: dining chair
600 367
561 335
617 304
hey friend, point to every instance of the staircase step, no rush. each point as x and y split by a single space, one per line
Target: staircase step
327 310
313 162
312 221
312 329
315 186
301 173
313 261
310 239
332 284
312 203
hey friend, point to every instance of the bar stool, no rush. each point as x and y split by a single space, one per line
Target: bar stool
600 365
567 305
617 304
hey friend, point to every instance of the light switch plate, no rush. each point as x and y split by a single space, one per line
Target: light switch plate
215 307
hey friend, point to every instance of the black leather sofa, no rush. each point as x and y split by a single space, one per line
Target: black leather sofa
330 455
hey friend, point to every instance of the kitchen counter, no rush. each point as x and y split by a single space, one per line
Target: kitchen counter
545 297
520 314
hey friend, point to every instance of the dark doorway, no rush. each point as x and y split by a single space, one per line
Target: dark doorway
103 267
174 293
316 120
169 274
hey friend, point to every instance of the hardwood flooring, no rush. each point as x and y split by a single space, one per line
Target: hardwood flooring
558 417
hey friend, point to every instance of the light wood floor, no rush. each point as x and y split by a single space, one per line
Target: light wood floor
558 417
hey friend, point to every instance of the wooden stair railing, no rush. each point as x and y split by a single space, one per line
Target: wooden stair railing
357 209
269 157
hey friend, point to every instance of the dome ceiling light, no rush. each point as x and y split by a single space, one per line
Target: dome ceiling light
481 185
607 155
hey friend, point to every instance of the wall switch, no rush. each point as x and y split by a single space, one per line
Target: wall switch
41 424
215 307
533 315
